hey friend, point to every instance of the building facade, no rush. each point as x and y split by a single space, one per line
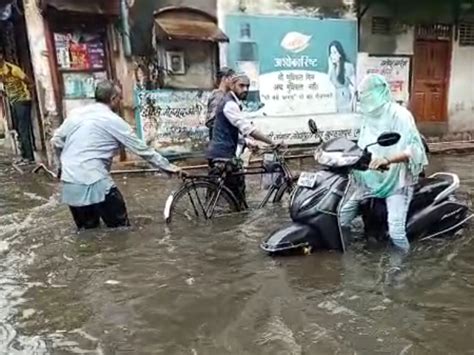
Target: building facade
305 59
66 47
440 51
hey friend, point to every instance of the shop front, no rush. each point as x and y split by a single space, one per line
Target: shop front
15 49
82 41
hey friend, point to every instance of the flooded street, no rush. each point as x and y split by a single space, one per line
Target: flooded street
154 290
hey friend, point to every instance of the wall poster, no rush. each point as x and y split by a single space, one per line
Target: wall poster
396 69
172 120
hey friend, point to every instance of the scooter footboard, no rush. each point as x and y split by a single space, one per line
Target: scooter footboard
291 237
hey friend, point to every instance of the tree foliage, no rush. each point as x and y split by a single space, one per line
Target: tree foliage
329 8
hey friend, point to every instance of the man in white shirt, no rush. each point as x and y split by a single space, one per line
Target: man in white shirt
85 145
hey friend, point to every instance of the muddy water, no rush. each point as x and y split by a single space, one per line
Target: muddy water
153 290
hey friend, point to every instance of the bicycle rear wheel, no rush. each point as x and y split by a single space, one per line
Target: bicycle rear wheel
199 201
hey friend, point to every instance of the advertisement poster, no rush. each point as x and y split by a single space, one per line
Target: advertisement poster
80 51
173 120
81 85
81 61
297 66
396 69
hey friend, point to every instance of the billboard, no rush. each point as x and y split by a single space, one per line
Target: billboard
297 66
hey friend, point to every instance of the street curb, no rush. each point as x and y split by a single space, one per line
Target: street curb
451 147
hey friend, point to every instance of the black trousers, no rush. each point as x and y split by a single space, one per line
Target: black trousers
21 115
112 211
235 183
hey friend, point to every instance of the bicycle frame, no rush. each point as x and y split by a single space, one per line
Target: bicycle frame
208 207
284 176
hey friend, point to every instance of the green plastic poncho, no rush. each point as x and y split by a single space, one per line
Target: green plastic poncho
381 114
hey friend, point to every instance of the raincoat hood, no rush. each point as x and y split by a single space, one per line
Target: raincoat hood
374 94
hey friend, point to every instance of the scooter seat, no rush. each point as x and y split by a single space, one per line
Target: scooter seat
431 185
426 191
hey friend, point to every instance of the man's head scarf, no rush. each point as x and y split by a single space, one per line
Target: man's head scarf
242 77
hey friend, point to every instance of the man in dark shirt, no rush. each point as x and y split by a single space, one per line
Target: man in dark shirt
223 85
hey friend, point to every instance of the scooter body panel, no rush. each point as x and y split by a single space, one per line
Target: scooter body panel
432 201
437 220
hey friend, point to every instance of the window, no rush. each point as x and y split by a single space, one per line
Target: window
437 31
381 25
466 33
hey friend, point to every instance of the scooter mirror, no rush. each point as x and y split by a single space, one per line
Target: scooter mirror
313 128
388 139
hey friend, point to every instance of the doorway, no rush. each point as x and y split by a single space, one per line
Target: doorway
14 42
431 71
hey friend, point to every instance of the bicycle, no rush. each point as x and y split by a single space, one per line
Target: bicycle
217 200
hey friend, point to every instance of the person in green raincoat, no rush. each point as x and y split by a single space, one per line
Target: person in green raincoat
405 160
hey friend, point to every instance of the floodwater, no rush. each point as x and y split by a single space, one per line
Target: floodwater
154 290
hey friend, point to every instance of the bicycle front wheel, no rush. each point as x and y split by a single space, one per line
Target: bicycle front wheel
285 188
199 201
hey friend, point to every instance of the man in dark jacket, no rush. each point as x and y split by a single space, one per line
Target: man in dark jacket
229 124
223 84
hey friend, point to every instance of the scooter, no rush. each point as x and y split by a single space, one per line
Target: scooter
316 201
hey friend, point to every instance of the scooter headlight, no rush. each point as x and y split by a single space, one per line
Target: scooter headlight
336 159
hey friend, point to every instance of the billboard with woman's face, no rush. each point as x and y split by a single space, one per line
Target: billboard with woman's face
297 66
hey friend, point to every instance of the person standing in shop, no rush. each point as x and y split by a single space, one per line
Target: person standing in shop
18 86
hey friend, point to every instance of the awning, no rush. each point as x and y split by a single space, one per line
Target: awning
187 29
101 7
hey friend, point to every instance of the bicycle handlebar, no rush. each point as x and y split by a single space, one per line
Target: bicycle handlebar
278 150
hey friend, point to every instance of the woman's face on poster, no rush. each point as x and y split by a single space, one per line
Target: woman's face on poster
335 55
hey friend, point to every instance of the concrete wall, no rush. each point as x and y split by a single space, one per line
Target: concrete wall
401 43
199 58
43 79
124 72
461 89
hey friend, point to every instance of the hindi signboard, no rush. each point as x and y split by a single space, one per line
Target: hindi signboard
396 69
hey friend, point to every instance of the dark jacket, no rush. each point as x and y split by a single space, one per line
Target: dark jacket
225 137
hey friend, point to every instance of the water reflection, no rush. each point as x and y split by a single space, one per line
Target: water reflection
151 289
